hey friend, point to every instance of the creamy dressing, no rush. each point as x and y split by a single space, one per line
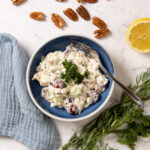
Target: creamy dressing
73 97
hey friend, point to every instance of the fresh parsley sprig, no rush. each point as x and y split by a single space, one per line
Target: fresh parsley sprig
72 73
127 112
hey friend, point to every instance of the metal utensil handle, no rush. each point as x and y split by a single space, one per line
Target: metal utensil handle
130 93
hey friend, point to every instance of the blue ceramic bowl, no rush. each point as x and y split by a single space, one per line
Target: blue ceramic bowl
34 88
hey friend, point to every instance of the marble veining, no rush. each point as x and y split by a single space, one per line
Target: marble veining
118 14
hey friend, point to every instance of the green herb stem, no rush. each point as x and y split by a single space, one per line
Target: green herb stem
127 112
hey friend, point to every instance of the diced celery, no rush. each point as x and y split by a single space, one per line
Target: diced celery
58 99
76 90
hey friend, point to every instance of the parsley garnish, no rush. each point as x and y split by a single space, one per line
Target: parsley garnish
126 113
72 73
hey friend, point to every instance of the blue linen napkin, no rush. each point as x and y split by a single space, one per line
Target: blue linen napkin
19 118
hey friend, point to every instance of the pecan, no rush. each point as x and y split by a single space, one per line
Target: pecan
71 14
60 0
87 1
37 16
58 21
101 33
99 23
17 2
82 11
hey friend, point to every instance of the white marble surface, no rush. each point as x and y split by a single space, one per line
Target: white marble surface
118 14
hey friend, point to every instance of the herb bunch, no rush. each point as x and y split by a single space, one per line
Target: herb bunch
72 73
126 113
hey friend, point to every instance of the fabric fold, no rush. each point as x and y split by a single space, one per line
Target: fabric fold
19 118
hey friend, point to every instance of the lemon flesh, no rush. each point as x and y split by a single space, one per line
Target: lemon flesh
138 35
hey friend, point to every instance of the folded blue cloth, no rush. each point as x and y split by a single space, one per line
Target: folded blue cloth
19 118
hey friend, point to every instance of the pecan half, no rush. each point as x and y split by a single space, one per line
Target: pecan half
60 0
87 1
17 2
71 14
37 16
101 33
99 23
82 11
58 21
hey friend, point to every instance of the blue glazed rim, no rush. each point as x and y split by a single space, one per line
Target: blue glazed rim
55 112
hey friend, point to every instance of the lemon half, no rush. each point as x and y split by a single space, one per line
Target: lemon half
138 35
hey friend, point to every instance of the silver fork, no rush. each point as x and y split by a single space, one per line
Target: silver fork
91 52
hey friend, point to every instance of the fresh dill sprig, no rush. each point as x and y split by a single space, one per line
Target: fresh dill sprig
72 73
127 112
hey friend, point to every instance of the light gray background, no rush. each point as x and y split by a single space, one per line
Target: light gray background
118 14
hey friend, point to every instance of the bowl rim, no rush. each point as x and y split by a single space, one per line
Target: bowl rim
48 113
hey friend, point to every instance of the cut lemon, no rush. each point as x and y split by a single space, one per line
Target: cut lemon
138 35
